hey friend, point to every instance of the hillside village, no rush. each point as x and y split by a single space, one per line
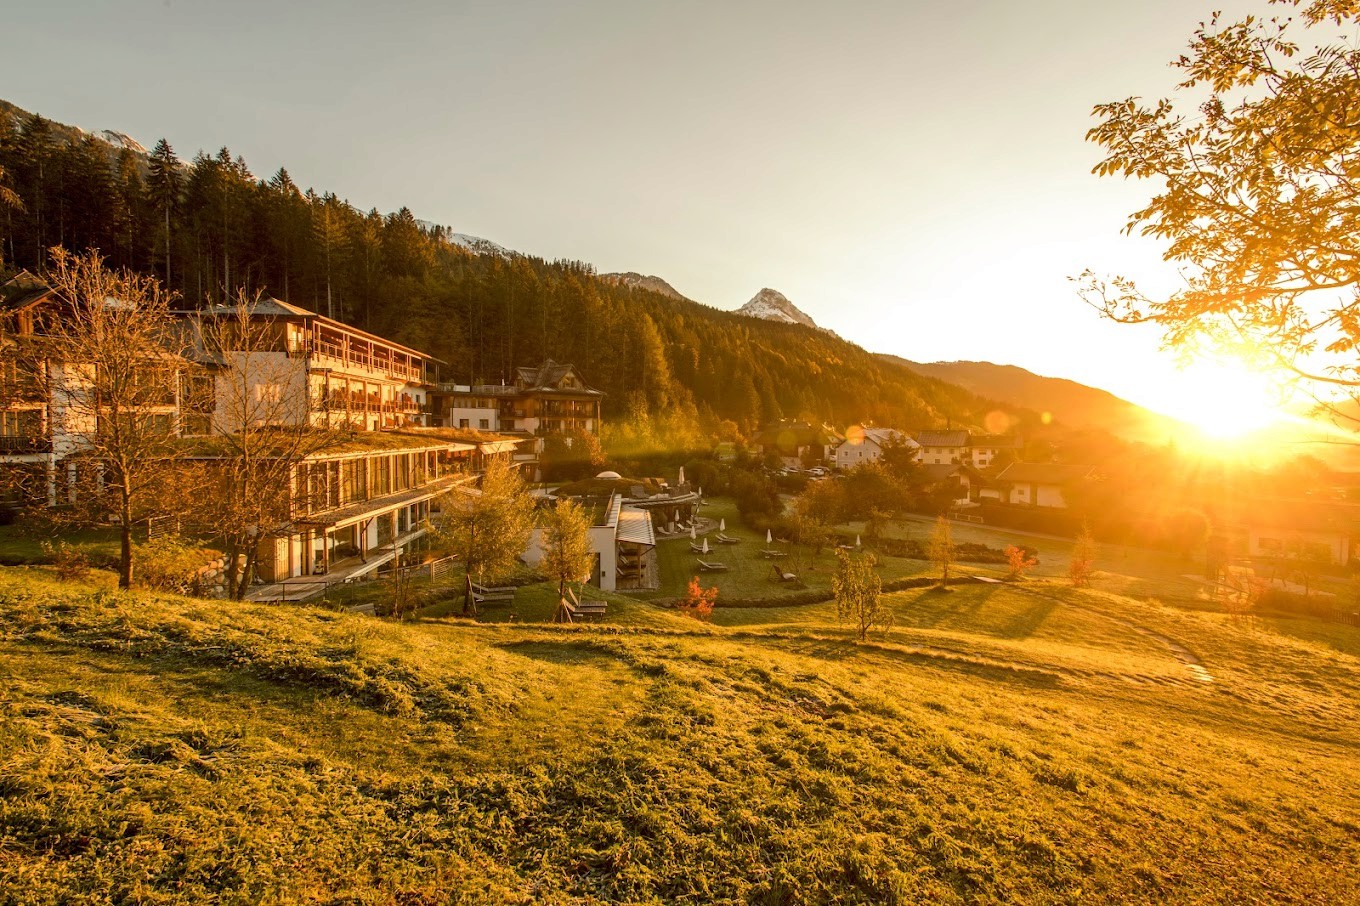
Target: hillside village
347 557
379 444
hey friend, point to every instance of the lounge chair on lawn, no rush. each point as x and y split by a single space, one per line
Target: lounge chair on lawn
723 539
783 576
712 567
493 592
696 549
772 554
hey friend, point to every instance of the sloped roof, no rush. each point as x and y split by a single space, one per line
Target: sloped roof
270 307
937 472
942 438
1297 515
1000 441
1043 473
549 376
792 435
23 289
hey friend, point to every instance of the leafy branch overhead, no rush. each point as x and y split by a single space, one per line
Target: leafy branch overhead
1257 159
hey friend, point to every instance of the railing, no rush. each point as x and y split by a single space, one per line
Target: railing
25 444
365 360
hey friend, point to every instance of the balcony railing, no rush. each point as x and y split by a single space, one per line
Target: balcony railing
355 357
24 444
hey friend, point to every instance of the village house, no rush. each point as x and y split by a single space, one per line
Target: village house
347 377
1319 532
978 450
984 449
942 447
863 445
356 502
361 503
47 407
795 444
1036 484
963 481
545 399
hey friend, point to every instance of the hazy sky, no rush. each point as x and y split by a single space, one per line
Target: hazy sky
913 175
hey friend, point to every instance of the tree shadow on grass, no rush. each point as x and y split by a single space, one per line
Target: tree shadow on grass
981 668
571 652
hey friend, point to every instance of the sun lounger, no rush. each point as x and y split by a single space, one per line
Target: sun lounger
783 576
773 554
696 549
493 592
712 567
723 539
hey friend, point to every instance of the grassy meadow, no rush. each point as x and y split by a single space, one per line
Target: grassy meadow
1000 744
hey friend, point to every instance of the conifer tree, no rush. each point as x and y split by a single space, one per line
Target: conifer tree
165 181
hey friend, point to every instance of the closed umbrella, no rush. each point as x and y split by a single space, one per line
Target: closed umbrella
857 541
722 526
682 475
705 545
769 537
692 536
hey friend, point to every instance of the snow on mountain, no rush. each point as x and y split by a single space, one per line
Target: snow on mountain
121 140
475 244
772 305
634 280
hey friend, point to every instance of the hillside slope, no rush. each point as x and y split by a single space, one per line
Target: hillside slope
1000 745
482 308
1067 401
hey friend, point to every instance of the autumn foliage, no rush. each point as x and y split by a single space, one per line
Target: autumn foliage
1019 561
698 601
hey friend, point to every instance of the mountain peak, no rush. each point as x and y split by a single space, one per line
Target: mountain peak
649 282
772 305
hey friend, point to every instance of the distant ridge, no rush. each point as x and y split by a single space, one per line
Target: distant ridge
1074 404
634 280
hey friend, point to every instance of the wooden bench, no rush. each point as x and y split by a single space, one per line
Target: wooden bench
482 593
571 607
591 608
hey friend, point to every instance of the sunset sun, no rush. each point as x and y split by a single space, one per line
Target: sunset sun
1224 400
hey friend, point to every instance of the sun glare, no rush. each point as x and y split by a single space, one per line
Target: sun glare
1225 401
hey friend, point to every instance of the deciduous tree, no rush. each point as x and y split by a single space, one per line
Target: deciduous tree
489 528
857 588
567 554
940 549
1083 559
121 357
1257 161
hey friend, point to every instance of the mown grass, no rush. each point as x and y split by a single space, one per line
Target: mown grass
998 745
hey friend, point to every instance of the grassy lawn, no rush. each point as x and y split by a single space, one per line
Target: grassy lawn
999 744
19 547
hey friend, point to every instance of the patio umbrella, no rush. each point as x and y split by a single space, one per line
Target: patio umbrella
769 537
692 536
682 475
722 525
705 546
857 541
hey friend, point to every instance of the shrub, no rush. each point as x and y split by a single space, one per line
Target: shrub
698 601
71 562
169 564
1019 561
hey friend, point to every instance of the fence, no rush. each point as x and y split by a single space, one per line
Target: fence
161 527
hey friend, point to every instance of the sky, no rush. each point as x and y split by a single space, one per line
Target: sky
912 175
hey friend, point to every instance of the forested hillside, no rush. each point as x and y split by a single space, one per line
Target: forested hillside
209 226
1067 401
